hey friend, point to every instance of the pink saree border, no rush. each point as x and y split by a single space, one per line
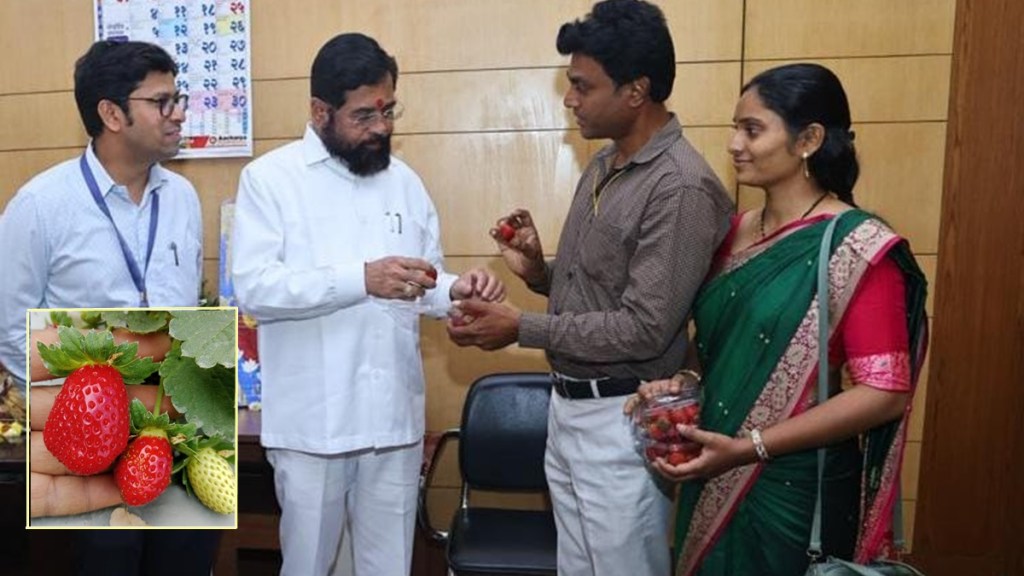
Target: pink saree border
791 387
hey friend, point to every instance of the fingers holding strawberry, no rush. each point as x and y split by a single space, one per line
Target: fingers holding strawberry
519 244
88 424
399 277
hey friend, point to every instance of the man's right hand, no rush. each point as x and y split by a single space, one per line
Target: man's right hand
519 243
399 278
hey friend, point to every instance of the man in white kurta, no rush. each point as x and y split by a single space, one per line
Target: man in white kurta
334 252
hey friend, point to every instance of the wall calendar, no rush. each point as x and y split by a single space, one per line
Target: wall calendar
209 40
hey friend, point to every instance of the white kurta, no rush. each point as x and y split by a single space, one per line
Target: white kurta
341 370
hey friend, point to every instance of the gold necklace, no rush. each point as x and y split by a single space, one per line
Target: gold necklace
600 185
804 215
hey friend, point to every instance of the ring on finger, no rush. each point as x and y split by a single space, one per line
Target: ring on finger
409 289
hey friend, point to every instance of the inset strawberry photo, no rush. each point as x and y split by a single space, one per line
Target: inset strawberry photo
132 417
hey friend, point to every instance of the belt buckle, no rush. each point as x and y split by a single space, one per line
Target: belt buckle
563 381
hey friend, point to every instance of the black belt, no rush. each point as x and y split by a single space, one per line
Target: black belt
582 388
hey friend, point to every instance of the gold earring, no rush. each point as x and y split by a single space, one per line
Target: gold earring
807 173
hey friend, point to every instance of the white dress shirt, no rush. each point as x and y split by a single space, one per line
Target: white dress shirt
341 370
58 250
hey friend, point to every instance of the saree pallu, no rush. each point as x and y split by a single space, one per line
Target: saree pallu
757 339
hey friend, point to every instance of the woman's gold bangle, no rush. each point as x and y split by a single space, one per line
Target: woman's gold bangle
688 372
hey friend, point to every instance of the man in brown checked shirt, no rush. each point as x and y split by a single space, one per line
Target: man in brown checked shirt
646 218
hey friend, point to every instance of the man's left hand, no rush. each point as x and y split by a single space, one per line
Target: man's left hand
488 325
478 283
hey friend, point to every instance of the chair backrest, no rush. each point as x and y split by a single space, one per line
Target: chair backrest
504 432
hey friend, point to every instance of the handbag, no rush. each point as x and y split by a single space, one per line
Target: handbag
832 566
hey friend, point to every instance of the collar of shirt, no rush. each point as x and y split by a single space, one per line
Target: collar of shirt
314 152
106 184
661 141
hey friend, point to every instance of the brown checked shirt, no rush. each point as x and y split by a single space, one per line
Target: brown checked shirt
626 272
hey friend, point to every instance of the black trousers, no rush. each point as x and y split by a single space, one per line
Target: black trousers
145 552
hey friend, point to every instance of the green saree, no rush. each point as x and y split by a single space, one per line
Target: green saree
757 342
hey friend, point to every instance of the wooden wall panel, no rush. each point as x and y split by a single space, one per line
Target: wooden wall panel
970 513
40 120
492 100
840 28
475 178
911 468
901 178
39 53
705 94
286 35
915 432
705 30
886 89
465 34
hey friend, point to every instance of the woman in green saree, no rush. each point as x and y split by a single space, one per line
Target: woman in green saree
746 503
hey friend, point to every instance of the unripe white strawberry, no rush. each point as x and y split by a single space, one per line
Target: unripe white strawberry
212 481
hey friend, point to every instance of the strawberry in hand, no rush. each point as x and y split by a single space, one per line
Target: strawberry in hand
88 426
144 470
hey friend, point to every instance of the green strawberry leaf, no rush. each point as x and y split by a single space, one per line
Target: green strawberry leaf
135 370
75 349
138 321
91 318
204 396
141 417
177 432
61 318
208 336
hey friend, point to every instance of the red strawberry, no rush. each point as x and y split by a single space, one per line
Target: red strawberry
87 428
432 273
144 470
506 231
677 458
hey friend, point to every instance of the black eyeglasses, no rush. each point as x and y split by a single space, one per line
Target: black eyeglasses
166 104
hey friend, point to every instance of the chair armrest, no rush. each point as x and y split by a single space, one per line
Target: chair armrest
432 447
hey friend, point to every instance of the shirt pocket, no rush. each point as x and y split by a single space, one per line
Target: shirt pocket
605 255
404 235
174 271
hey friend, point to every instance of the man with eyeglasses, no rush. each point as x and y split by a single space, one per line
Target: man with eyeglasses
110 228
336 253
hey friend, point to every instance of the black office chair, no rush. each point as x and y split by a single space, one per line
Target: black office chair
501 448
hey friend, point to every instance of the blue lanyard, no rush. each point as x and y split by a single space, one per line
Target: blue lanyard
137 276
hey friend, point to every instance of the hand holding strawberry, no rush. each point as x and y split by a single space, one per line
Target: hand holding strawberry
520 247
88 425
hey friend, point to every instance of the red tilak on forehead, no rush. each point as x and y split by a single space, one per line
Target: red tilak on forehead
380 103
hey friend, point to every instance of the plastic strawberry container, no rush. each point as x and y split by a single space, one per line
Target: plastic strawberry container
655 421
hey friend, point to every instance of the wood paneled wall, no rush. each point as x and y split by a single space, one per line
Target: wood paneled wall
971 508
485 127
